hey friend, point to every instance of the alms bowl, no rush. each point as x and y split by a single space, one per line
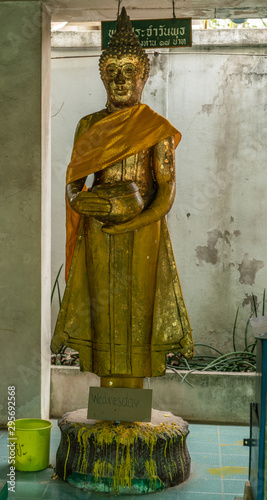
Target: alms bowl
125 199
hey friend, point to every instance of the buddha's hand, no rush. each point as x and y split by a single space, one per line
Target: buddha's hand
90 204
146 217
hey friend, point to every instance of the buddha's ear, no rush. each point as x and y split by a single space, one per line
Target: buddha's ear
146 68
145 75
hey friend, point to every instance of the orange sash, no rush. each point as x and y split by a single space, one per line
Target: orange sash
114 138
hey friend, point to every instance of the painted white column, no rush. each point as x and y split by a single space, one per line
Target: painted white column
25 225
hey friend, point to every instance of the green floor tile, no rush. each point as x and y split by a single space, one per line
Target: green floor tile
233 438
203 472
207 460
205 453
4 469
30 489
203 438
206 429
194 485
3 461
62 491
55 429
55 440
235 460
235 486
234 449
233 497
3 450
233 429
4 439
229 473
54 445
203 448
41 476
53 454
200 496
168 494
203 429
25 498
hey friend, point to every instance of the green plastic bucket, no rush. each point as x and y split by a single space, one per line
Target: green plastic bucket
32 444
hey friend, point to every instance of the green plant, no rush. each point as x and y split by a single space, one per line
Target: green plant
66 356
56 286
236 361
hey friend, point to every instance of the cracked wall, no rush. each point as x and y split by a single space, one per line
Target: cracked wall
221 183
216 97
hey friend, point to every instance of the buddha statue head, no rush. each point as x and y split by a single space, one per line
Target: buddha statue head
124 66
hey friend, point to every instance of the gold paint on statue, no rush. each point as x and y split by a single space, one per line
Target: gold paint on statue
123 308
67 457
129 382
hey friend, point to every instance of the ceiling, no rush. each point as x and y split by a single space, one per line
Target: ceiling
102 10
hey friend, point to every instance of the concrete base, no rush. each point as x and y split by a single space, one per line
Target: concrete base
212 396
125 457
248 492
216 397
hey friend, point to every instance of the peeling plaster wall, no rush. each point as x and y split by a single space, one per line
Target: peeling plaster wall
216 96
217 222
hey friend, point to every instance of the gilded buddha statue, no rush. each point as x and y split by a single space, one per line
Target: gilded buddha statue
123 308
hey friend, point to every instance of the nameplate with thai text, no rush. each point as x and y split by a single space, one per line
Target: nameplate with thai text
155 33
120 404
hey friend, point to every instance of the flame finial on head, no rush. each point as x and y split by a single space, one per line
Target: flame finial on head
123 43
123 22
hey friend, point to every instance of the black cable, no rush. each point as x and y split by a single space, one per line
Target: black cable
173 9
119 4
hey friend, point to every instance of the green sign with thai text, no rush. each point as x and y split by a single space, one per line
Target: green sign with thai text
155 33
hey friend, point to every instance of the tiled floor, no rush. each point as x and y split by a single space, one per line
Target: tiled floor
219 470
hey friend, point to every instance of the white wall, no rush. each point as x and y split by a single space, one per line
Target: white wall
215 94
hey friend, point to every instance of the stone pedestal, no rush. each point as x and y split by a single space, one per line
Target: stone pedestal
129 457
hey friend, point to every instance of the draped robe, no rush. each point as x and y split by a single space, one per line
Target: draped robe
123 307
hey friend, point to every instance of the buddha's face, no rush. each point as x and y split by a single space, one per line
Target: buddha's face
123 80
